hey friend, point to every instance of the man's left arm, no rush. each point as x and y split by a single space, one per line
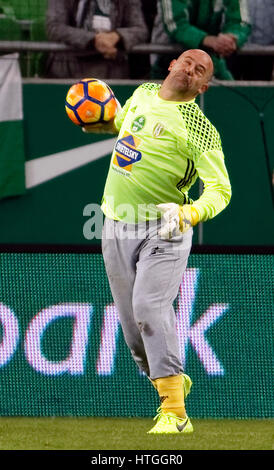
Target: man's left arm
237 21
210 166
216 195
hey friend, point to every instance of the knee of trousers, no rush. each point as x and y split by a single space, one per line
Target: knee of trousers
142 310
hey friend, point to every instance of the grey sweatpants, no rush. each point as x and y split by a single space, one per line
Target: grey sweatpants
144 274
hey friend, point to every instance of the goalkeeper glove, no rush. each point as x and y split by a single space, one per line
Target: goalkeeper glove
177 219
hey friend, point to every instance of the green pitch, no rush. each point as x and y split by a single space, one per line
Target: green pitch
130 434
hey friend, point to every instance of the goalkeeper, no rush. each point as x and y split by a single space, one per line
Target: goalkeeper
165 143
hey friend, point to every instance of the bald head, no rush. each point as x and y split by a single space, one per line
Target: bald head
188 76
202 58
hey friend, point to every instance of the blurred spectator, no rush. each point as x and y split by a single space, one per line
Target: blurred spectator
217 26
140 65
262 21
149 9
261 14
110 28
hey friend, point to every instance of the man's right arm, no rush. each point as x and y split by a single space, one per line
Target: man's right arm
101 128
113 126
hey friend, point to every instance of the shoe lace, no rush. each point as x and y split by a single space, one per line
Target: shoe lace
164 418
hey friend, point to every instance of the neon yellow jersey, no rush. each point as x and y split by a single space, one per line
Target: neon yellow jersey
162 148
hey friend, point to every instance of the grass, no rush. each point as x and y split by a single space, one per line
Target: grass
20 433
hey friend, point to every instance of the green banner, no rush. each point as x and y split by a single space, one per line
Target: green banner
62 351
12 152
12 159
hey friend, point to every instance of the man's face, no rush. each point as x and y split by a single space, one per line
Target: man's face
191 71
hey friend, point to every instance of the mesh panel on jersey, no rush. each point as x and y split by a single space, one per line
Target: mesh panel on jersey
150 86
202 135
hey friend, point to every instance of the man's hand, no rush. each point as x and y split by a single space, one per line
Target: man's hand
100 128
105 44
103 127
177 219
223 44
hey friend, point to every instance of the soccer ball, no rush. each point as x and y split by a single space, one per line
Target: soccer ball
90 101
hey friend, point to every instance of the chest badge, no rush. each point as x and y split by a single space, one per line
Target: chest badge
138 123
158 129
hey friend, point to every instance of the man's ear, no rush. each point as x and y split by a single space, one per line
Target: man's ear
172 63
203 88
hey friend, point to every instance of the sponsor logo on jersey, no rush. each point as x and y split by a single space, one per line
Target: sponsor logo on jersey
158 129
126 153
138 123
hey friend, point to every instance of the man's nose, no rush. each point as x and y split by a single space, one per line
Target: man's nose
189 69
